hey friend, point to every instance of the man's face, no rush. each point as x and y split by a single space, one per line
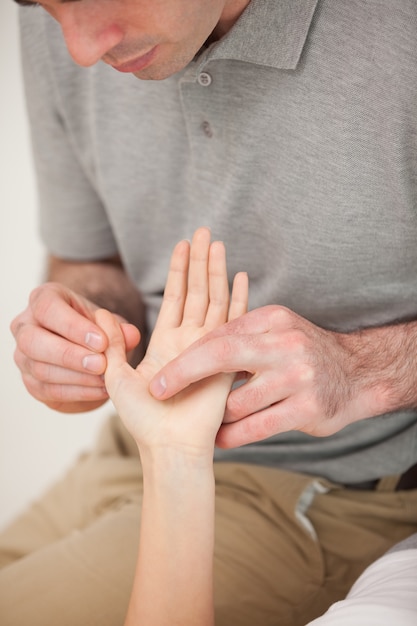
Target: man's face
151 39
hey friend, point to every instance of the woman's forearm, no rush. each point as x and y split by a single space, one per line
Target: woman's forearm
174 576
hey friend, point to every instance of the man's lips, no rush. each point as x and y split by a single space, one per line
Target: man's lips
135 65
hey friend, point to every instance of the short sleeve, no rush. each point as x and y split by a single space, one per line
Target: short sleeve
73 219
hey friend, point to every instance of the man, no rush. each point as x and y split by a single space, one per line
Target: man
288 128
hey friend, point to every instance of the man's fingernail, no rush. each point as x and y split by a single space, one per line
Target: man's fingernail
159 386
93 363
94 340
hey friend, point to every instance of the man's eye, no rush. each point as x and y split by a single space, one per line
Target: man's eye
23 3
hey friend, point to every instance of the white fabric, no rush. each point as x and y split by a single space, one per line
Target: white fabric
384 595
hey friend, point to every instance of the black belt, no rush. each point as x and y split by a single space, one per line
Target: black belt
406 481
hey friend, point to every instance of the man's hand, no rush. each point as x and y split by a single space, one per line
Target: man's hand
60 349
299 376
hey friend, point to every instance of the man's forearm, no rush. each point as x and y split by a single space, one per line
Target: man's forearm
383 366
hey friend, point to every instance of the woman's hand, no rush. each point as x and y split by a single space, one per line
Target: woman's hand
196 301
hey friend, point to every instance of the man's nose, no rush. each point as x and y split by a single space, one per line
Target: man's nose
88 35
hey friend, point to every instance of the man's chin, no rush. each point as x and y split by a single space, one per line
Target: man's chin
150 74
161 71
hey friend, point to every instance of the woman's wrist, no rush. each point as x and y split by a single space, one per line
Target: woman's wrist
176 539
162 461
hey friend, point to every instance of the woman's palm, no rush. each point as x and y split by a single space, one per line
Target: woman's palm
196 300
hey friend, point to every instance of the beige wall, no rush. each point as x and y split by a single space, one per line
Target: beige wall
36 444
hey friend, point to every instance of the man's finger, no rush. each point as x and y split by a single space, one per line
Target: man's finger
67 315
221 354
275 419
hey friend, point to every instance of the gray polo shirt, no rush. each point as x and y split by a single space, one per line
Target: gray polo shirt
293 138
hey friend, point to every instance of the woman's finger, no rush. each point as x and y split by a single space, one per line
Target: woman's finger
196 302
239 297
172 308
116 350
218 287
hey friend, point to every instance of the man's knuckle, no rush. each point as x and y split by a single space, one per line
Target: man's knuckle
306 373
25 340
55 393
297 339
18 358
36 295
42 300
69 356
40 371
267 424
237 403
33 386
15 326
280 314
258 394
313 408
223 350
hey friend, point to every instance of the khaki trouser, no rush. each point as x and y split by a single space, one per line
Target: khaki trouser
287 545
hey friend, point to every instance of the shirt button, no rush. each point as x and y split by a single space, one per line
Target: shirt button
207 130
204 79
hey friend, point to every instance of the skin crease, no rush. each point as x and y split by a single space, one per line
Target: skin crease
118 31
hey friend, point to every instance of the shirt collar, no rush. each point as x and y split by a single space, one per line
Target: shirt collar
269 32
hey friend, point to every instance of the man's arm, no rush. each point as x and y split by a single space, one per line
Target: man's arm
59 347
300 376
